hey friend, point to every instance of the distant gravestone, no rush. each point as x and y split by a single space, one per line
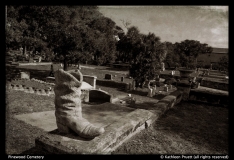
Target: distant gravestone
39 59
51 71
165 88
24 75
99 96
108 76
30 60
122 79
162 66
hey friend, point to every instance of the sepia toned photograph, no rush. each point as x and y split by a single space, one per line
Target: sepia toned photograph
117 80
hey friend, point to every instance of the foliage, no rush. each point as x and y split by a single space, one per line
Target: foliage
143 52
188 51
171 56
71 31
223 63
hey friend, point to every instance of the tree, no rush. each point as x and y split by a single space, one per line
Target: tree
145 54
171 56
188 51
103 40
126 44
223 63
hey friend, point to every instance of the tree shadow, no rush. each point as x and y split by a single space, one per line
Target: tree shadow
197 123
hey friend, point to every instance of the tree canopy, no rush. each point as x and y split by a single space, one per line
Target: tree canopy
188 51
77 32
143 52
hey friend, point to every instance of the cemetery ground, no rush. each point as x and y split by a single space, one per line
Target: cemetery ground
188 128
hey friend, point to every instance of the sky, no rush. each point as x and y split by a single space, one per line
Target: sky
207 24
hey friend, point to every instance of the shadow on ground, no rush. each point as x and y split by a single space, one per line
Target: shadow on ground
198 123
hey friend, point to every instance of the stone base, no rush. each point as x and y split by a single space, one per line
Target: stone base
120 124
185 88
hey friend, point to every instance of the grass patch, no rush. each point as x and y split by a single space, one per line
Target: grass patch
187 128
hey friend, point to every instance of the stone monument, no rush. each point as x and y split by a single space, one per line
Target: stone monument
68 109
51 71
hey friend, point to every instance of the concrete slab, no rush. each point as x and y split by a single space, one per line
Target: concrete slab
100 115
120 124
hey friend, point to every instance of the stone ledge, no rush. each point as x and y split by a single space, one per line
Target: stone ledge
114 135
210 96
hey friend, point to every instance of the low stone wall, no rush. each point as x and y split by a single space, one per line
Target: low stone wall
35 63
215 85
18 87
209 97
113 84
203 82
166 103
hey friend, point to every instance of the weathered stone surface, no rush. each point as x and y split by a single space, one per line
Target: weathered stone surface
115 134
68 108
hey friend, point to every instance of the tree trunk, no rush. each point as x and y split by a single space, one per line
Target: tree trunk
65 63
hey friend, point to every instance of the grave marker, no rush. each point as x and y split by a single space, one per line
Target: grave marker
122 79
166 88
108 76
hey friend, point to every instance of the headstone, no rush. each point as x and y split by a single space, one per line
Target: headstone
14 87
134 85
126 86
122 79
162 66
51 71
31 90
154 90
39 59
108 76
170 86
198 85
99 96
47 91
150 92
25 75
37 91
21 50
43 92
9 86
130 86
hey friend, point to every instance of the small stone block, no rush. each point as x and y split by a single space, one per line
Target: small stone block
108 76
